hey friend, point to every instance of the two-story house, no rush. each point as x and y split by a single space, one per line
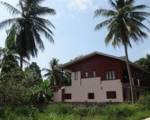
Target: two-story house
98 77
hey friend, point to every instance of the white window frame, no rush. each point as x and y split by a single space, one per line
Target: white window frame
110 75
94 74
86 74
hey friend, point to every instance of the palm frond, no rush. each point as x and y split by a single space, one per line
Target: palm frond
11 8
109 37
47 75
43 21
141 13
43 11
45 32
24 60
103 24
38 39
139 7
41 24
129 2
104 12
11 39
137 17
48 71
112 3
141 25
37 1
8 22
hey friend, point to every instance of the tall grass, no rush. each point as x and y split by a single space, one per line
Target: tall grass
72 112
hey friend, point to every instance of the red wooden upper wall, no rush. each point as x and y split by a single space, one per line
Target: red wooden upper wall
98 64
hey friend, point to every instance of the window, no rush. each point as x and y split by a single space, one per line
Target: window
94 74
111 95
110 75
67 96
75 75
138 81
91 96
86 74
113 75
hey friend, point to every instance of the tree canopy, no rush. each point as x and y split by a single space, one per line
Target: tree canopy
33 73
144 62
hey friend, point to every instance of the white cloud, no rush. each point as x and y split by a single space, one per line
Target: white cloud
81 4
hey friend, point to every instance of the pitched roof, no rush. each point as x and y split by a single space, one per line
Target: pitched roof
78 59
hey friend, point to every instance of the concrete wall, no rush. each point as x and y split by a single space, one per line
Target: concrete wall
58 96
81 87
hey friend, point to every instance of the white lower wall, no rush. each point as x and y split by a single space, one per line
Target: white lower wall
80 89
58 96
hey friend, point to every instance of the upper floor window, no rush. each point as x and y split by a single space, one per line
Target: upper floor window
94 74
86 74
110 75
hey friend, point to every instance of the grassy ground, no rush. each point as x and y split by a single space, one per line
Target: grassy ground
70 112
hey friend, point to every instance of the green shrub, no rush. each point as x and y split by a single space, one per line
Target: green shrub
81 111
54 116
25 110
145 100
60 109
94 110
122 111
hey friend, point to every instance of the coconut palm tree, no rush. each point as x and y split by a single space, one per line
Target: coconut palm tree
53 74
124 22
56 75
27 26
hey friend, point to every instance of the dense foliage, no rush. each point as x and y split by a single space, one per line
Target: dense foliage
12 83
18 87
33 74
42 93
144 62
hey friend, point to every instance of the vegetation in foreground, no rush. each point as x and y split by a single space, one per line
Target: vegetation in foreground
138 111
70 112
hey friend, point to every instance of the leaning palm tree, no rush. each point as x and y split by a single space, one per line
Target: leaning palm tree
27 26
125 25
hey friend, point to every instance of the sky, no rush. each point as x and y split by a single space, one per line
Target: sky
74 34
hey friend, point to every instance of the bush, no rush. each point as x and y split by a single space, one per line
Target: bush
54 116
81 111
94 110
60 109
17 113
25 110
122 111
145 100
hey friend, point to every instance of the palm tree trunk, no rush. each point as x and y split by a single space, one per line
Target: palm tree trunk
129 74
